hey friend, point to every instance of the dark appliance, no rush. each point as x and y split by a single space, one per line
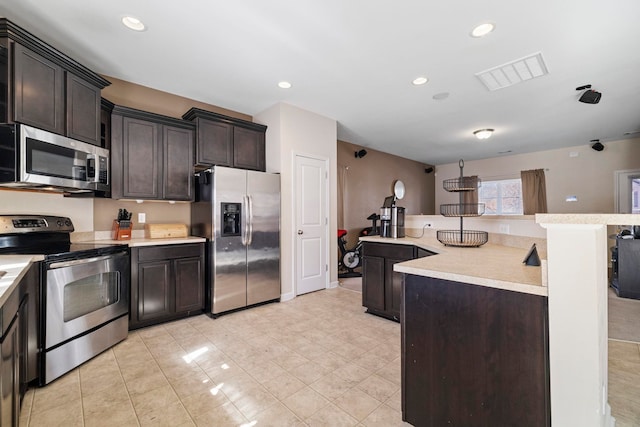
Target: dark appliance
84 290
238 211
625 265
34 158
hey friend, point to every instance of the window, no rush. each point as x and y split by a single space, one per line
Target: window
502 197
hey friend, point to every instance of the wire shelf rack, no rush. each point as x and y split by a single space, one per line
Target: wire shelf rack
463 183
462 209
462 238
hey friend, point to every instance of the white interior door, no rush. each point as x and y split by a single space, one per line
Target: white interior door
311 225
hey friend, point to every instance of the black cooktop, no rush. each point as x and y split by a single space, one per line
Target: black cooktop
48 236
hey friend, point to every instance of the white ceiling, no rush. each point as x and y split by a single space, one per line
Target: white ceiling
354 60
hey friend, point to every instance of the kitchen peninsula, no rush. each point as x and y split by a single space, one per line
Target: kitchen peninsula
574 305
474 335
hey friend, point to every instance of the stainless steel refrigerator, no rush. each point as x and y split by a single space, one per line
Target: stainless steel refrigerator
238 211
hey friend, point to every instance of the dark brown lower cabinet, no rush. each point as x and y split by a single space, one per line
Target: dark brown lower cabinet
473 355
18 345
381 286
167 282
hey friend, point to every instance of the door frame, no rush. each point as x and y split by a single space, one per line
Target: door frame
294 207
621 184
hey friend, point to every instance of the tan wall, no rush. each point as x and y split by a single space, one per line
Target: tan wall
144 98
370 179
589 176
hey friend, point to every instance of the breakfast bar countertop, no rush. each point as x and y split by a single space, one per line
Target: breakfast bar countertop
490 265
12 269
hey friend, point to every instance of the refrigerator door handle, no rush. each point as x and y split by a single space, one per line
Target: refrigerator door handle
250 209
245 222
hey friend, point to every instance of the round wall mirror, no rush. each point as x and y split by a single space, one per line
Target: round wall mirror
398 189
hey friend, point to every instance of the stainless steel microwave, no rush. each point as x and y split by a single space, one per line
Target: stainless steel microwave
34 158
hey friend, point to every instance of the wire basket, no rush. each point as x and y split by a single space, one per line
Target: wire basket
462 209
462 238
463 183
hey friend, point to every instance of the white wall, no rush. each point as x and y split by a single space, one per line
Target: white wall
292 130
80 210
589 176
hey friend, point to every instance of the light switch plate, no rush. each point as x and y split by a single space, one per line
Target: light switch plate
142 218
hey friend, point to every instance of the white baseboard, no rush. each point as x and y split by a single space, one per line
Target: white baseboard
286 297
333 284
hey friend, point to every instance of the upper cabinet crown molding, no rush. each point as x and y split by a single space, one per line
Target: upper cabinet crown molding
10 30
154 117
195 113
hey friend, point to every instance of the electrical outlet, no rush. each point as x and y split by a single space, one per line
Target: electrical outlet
504 228
142 218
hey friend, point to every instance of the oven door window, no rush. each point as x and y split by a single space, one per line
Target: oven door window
89 294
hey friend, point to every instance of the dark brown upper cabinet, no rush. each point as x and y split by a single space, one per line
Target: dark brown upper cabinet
42 87
227 141
151 156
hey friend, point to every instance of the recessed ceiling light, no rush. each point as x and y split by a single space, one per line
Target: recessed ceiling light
483 29
483 133
420 81
284 85
133 23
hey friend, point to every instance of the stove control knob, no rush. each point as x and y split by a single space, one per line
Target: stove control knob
59 222
67 222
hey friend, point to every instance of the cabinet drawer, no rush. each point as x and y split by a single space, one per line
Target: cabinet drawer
164 252
388 250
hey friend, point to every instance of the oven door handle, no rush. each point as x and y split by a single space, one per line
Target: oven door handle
83 261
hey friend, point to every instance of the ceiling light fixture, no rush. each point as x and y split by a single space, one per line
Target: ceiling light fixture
133 23
483 29
483 133
419 81
284 85
441 96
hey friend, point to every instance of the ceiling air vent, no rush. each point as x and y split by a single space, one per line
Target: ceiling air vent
514 72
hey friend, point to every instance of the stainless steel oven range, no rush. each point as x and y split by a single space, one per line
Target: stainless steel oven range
84 291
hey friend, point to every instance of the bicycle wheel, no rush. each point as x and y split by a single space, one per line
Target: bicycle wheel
351 260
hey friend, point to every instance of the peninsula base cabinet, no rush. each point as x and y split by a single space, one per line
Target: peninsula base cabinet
167 283
18 346
473 355
381 286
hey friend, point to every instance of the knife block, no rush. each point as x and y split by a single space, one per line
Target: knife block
121 231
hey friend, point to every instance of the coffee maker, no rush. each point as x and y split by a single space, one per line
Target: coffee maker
392 216
385 218
397 222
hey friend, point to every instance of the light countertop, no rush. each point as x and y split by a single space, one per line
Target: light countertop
14 268
489 265
143 241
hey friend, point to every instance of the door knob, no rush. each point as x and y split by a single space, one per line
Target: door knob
299 231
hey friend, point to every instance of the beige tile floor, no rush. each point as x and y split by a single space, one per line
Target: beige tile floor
317 360
624 382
